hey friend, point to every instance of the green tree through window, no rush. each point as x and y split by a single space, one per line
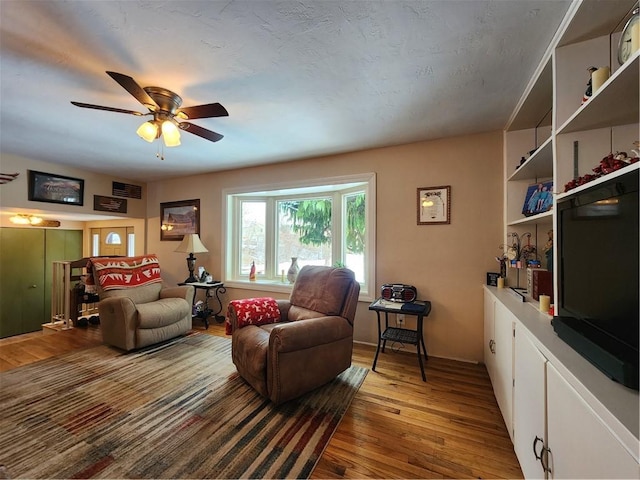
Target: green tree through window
311 220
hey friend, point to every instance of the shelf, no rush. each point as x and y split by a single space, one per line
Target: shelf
615 103
401 335
537 102
539 219
539 165
598 181
595 19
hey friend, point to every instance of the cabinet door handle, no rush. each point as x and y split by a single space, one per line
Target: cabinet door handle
543 455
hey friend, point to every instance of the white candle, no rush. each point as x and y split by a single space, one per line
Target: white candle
599 77
500 282
545 303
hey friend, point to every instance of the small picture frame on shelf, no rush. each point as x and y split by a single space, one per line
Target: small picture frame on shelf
539 198
492 279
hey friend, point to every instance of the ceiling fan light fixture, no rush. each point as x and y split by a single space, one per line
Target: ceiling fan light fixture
148 131
170 134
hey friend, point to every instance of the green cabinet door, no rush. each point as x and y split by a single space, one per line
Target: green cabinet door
26 266
22 285
60 245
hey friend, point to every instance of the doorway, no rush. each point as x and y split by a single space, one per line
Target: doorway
112 242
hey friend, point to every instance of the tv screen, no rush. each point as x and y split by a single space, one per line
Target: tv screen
598 264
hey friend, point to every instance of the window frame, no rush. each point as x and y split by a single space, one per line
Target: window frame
336 187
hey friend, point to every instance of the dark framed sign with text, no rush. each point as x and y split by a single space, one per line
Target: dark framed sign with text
52 188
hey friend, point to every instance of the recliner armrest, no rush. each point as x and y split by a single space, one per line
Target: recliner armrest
303 334
118 320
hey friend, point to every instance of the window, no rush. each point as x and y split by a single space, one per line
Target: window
113 239
328 222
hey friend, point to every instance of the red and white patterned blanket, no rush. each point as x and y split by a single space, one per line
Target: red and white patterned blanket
115 273
253 311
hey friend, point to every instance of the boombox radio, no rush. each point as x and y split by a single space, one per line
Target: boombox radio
398 292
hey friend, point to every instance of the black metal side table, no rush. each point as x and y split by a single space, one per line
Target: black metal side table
418 308
212 290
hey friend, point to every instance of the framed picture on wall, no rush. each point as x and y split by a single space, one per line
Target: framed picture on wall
52 188
434 205
178 219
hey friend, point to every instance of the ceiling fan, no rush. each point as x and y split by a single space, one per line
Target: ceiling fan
165 107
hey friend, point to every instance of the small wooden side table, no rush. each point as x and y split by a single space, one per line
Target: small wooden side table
419 308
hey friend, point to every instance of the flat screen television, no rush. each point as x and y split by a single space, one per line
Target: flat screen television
598 276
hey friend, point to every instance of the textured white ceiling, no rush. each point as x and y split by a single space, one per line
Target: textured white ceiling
299 78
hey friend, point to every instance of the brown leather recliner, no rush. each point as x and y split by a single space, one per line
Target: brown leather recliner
310 345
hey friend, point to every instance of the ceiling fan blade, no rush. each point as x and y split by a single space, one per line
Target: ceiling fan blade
201 132
204 111
108 109
130 85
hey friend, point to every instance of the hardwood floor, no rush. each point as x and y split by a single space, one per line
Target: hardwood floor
397 425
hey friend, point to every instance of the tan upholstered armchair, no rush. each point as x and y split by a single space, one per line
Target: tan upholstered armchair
309 345
135 315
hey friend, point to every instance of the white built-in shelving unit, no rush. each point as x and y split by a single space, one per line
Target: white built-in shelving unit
581 423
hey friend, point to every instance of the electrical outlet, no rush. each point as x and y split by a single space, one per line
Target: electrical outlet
400 319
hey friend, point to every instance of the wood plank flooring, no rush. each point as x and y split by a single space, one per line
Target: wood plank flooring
397 425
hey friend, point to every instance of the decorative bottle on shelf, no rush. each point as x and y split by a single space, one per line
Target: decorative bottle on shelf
292 273
252 272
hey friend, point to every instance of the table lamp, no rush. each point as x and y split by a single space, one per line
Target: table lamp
191 244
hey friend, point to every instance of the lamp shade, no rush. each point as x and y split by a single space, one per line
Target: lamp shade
170 134
148 131
191 244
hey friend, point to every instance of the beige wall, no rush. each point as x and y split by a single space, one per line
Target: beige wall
14 199
14 195
447 263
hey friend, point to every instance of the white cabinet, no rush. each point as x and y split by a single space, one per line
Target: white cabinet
556 433
498 352
566 418
489 337
529 406
580 445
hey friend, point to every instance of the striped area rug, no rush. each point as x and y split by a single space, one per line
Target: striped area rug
177 410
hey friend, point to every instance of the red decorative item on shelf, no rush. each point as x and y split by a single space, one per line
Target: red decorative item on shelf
608 164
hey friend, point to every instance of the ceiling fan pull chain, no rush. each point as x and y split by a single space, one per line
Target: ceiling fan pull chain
160 152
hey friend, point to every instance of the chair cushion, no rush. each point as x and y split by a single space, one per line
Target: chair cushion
162 312
144 294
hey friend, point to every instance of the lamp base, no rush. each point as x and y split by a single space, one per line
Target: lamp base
191 265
